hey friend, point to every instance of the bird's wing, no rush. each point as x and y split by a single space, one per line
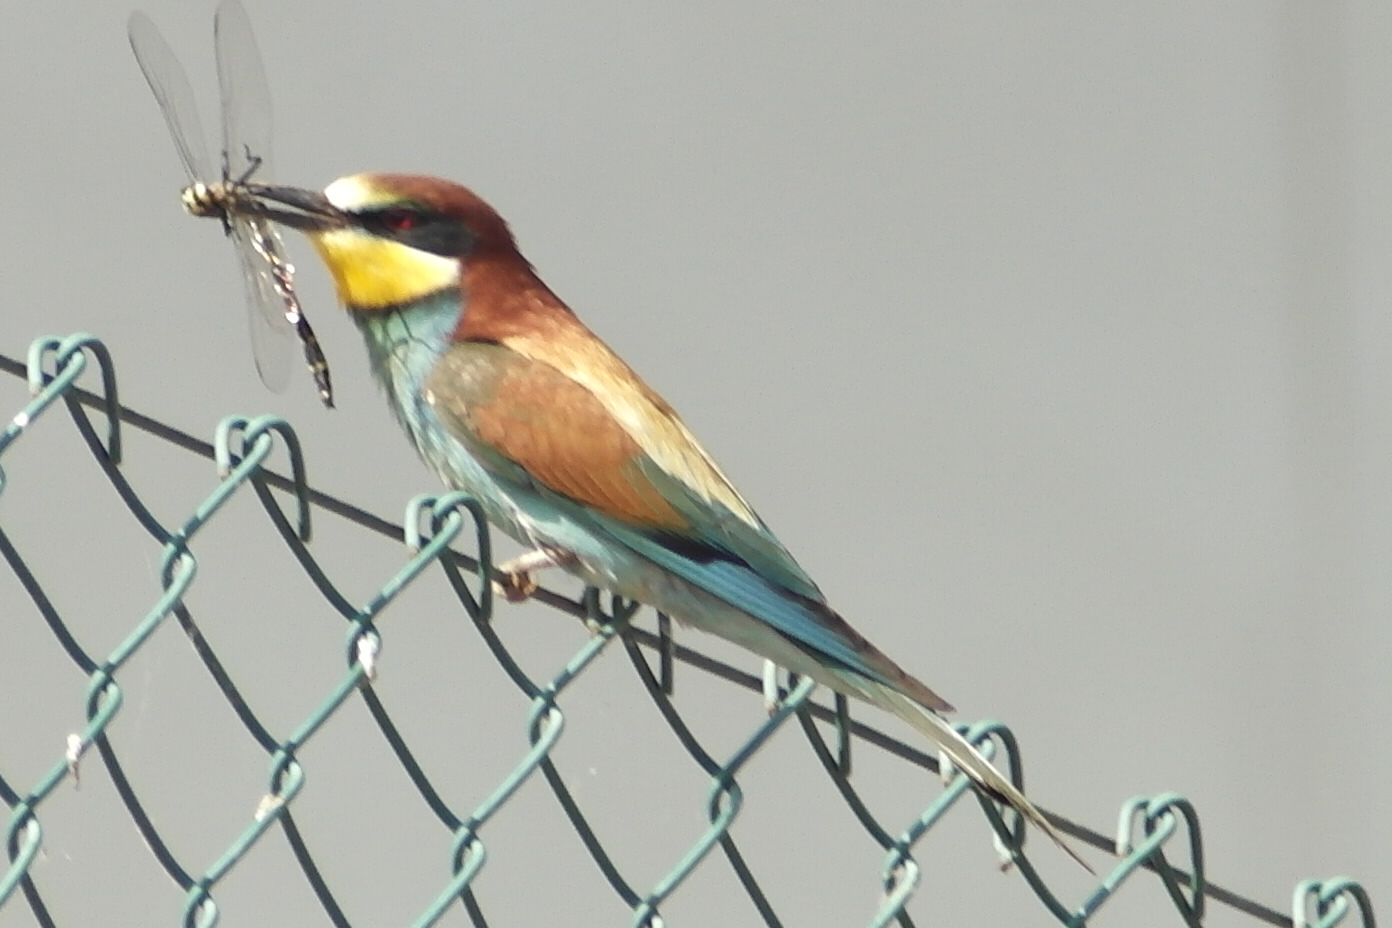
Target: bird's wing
539 430
527 418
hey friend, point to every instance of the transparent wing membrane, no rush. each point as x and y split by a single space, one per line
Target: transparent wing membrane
245 96
270 348
277 273
273 310
174 93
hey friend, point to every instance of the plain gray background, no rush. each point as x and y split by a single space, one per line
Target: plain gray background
1052 339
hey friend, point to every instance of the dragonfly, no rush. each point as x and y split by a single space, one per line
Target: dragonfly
274 312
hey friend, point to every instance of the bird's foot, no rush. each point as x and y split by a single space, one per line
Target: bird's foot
516 586
516 578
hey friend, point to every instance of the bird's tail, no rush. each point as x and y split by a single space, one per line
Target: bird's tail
966 758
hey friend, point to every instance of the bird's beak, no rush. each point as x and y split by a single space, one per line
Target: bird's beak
306 210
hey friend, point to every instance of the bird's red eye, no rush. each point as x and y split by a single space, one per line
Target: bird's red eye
400 219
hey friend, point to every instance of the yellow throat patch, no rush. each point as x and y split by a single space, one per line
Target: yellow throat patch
372 273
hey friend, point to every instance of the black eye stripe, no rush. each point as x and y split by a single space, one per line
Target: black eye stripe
418 227
397 218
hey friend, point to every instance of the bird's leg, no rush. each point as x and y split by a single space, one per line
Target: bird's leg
515 578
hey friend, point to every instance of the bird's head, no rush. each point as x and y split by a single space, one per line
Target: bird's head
392 239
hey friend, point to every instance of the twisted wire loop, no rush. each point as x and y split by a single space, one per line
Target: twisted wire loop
69 361
1157 834
1327 903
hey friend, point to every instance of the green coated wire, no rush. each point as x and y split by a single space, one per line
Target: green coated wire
1148 827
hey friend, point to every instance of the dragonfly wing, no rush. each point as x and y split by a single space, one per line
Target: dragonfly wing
246 139
260 252
246 97
170 85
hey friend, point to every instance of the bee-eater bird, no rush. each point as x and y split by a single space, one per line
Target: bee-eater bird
509 397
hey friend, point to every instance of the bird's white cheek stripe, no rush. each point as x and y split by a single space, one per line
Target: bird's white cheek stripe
356 192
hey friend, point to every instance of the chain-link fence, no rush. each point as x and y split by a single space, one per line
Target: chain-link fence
1156 835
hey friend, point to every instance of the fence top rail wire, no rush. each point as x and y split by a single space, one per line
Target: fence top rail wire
1150 830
